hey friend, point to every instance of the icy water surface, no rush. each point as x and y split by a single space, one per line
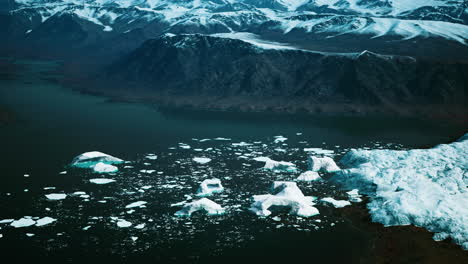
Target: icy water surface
54 124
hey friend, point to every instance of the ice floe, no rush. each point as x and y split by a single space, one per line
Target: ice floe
354 196
45 221
277 165
335 203
201 160
123 223
423 187
56 196
209 187
23 222
101 167
204 204
136 204
309 176
90 159
287 194
101 181
325 164
319 151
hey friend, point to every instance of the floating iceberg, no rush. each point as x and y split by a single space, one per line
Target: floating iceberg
335 203
287 195
309 176
23 222
279 139
423 187
202 160
204 204
90 159
56 196
140 204
101 181
104 168
325 164
354 196
45 221
123 223
210 186
277 165
319 151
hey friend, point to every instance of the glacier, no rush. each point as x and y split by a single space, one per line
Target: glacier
422 187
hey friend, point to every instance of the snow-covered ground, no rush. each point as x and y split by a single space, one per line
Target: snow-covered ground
422 187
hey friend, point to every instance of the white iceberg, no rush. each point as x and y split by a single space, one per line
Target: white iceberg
104 168
23 222
423 187
123 223
325 164
309 176
287 195
277 165
101 181
201 160
136 204
56 196
279 139
209 187
335 203
204 204
90 159
45 221
354 196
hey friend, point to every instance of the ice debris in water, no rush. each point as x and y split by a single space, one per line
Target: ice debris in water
104 168
140 204
335 203
354 196
423 187
56 196
309 176
45 221
23 222
204 204
325 164
202 160
319 151
123 223
279 139
277 165
101 181
287 195
209 187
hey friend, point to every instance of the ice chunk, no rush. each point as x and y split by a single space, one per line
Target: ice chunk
279 139
319 151
90 159
45 221
287 195
209 187
202 160
123 223
136 204
325 164
101 181
204 204
309 176
354 196
101 167
336 203
277 165
423 187
56 196
6 221
23 222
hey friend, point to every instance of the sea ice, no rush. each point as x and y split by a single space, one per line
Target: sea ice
45 221
336 203
277 165
319 151
287 195
101 181
309 176
136 204
202 160
423 187
123 223
90 159
209 187
204 204
354 196
101 167
56 196
23 222
325 164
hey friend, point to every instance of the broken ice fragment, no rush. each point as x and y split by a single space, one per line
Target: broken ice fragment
309 176
209 187
90 159
336 203
202 160
45 221
204 204
101 181
325 164
56 196
23 222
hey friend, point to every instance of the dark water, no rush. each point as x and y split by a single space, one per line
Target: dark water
54 124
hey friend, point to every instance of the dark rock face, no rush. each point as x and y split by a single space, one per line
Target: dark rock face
198 65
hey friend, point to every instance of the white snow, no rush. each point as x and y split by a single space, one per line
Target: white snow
101 181
136 204
45 221
56 196
209 187
104 168
23 222
423 187
287 195
309 176
255 40
335 203
325 164
201 160
204 204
